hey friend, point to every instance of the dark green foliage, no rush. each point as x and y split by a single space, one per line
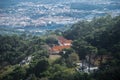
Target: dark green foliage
40 67
69 58
15 48
51 40
18 73
10 49
86 30
103 36
110 70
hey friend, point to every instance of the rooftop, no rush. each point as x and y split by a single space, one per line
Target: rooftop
63 44
59 48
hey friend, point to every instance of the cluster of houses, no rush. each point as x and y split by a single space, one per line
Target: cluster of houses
63 44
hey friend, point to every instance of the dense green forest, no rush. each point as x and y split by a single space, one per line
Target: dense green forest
99 37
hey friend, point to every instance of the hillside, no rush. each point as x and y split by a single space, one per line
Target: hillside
26 57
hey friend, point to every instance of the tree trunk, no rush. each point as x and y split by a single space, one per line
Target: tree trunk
101 59
82 64
89 63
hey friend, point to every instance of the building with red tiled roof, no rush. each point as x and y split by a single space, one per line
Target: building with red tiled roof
57 49
63 44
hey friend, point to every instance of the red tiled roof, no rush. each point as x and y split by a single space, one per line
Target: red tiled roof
68 41
59 48
63 40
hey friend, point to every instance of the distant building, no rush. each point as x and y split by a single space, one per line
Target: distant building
57 49
63 44
85 68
